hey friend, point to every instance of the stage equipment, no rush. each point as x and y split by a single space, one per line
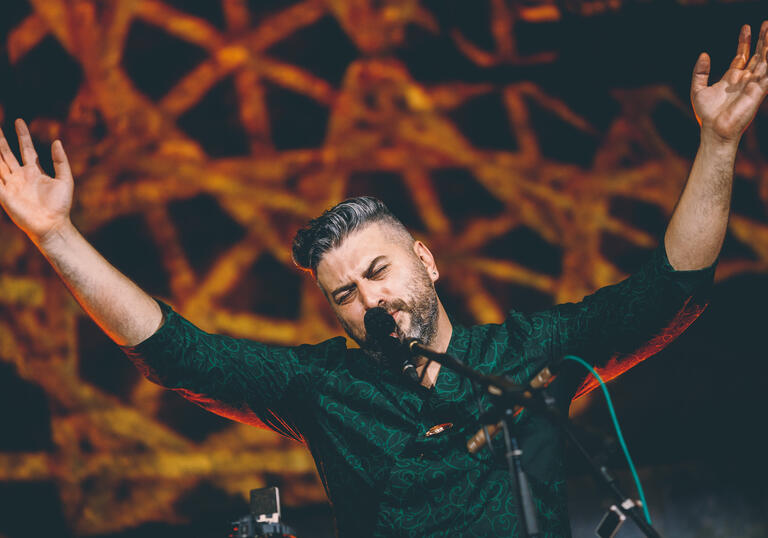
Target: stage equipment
508 399
612 520
263 521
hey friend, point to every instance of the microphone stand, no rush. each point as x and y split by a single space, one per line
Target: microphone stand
499 386
514 462
511 395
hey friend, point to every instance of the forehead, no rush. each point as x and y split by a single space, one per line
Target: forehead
355 253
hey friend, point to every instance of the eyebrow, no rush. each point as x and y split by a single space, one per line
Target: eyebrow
367 274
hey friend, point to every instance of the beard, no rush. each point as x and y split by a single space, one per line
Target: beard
422 306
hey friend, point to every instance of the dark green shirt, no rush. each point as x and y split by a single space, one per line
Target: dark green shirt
365 426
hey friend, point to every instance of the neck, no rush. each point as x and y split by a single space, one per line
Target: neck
439 344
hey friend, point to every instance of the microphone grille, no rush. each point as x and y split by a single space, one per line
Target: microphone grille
378 323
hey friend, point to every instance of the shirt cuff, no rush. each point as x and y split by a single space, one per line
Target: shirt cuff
690 281
165 326
155 357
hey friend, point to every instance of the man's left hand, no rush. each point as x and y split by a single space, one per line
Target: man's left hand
725 109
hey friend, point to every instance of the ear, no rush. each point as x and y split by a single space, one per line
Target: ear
427 259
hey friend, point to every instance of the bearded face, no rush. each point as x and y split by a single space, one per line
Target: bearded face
415 314
371 268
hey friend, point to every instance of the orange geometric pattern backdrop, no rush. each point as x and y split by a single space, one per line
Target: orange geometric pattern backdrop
200 141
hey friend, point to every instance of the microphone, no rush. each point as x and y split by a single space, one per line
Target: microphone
539 381
379 325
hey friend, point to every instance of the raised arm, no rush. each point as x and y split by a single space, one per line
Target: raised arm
40 206
697 228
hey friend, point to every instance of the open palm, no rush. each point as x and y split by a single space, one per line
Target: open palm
35 201
726 108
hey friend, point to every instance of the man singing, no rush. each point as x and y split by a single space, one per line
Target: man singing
371 430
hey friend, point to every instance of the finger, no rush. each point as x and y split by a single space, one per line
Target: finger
760 70
742 50
700 73
28 153
763 51
760 49
9 159
60 161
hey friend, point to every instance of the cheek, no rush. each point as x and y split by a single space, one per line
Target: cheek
351 316
404 321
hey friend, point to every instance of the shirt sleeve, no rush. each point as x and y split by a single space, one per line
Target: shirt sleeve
620 325
239 379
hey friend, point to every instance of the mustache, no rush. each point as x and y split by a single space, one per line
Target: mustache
396 304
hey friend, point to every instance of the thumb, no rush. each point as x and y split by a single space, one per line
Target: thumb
60 161
700 74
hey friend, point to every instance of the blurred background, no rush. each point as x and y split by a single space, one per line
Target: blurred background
538 147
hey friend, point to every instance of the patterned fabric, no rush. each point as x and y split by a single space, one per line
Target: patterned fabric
365 425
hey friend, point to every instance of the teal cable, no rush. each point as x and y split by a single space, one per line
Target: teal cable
618 431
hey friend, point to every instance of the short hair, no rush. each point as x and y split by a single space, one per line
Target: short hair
327 231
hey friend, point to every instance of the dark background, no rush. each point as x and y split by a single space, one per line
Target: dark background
692 415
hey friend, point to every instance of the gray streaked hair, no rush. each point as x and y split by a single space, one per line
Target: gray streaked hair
327 231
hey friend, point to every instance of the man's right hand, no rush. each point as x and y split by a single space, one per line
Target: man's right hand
38 203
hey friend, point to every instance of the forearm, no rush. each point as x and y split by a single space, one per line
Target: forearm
698 225
123 311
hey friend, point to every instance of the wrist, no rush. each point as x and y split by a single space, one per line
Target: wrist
56 235
715 143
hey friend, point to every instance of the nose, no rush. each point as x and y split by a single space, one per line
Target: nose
371 296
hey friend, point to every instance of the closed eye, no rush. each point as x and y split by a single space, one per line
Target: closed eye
344 293
379 271
345 297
